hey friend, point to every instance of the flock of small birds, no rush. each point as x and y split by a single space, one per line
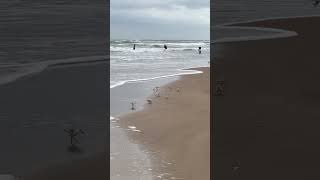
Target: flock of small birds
156 93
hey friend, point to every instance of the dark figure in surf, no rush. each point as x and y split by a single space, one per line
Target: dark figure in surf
316 3
165 47
133 106
72 134
134 46
199 50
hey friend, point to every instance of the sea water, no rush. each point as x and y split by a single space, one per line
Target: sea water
150 60
133 75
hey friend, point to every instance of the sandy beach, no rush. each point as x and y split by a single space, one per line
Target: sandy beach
47 103
268 119
176 126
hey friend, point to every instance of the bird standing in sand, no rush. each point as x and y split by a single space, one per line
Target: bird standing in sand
72 134
219 88
156 91
236 166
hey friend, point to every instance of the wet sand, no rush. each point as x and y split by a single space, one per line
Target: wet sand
127 159
176 127
36 109
268 120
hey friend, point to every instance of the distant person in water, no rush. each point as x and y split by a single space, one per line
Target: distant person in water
165 47
199 50
134 46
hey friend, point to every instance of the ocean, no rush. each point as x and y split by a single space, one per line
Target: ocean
150 60
37 34
232 11
236 11
33 33
133 75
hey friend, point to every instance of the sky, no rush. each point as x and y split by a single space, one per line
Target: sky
160 19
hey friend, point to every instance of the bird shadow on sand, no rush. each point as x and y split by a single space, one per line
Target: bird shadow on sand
75 149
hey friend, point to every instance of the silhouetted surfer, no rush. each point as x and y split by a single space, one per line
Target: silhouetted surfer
165 47
134 46
199 50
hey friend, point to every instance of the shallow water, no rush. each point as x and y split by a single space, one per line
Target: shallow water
231 11
35 34
235 11
34 31
130 160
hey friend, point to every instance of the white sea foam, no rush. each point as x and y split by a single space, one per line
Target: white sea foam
277 33
184 72
12 72
151 61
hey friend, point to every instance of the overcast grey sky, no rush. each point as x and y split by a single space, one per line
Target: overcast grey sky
160 19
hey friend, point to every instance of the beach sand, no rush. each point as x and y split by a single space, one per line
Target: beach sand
36 109
176 126
93 167
268 119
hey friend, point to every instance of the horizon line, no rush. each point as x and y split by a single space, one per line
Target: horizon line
112 39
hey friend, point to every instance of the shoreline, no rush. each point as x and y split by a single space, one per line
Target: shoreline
121 96
273 94
184 72
252 25
16 71
127 159
162 160
52 100
270 129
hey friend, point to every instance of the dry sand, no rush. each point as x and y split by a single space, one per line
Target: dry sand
177 126
268 119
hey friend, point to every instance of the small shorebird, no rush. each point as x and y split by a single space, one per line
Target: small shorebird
73 133
156 91
236 166
219 88
149 101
